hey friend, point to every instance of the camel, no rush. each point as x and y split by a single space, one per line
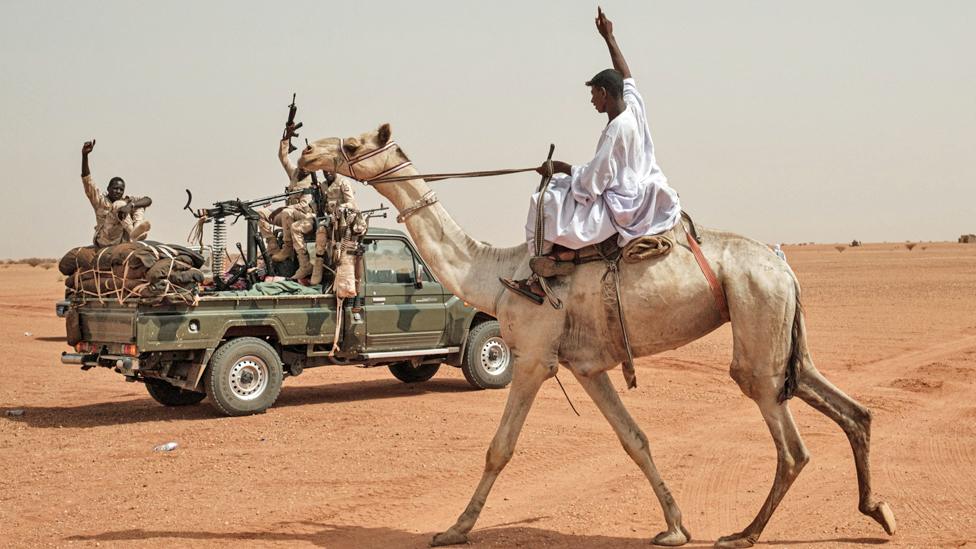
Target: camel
667 303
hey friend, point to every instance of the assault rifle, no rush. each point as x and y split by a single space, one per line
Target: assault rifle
291 128
237 209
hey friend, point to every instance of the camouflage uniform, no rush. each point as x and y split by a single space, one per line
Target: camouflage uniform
298 209
109 229
334 242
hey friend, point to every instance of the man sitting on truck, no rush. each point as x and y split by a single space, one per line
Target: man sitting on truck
339 234
292 218
118 218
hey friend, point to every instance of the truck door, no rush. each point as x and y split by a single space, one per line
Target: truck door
399 314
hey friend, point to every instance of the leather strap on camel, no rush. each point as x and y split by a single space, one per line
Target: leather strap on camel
721 303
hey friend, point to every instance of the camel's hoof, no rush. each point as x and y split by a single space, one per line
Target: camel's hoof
451 537
672 539
885 516
735 541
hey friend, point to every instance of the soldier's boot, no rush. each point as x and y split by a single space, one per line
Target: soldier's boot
286 248
318 267
140 231
317 271
304 265
271 244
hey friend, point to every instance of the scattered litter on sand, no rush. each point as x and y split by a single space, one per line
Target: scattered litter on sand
168 447
28 334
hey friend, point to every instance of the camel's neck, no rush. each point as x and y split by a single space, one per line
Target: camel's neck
467 268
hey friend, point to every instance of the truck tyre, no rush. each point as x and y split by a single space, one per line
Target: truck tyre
487 360
170 395
408 373
244 377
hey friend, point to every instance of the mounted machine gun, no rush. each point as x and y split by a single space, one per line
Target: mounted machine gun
237 209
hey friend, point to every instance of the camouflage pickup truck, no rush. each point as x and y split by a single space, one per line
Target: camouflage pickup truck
237 349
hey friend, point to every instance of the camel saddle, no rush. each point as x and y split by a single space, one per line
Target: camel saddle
562 261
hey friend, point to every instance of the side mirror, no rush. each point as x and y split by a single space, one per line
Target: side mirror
418 275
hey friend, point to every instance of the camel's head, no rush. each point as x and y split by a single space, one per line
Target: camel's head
363 157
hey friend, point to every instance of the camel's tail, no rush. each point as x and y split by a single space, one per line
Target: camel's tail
797 348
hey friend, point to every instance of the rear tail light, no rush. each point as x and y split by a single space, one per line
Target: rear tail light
130 350
84 347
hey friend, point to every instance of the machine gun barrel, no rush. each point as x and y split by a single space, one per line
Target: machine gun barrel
372 213
238 207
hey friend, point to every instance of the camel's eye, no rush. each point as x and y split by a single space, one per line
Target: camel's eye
350 146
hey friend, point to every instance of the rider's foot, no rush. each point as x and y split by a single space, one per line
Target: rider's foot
527 288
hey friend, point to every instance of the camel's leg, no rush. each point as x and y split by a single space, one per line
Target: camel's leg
855 420
635 443
526 380
791 456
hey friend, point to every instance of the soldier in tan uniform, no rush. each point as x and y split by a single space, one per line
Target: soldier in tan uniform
335 240
118 218
298 209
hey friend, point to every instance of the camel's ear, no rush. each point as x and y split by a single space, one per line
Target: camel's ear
383 134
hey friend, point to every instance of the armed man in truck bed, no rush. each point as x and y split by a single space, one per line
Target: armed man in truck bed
298 212
118 218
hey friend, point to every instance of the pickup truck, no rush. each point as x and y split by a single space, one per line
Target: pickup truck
236 350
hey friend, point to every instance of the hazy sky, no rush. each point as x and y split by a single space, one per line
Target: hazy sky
784 121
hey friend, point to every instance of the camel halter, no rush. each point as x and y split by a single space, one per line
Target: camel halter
351 162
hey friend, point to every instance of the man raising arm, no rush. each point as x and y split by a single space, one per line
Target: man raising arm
621 191
117 217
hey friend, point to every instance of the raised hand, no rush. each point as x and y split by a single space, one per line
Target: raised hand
88 147
603 25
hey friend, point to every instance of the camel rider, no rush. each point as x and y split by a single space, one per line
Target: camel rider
297 209
621 191
118 218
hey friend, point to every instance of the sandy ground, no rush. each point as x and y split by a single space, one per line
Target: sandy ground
353 458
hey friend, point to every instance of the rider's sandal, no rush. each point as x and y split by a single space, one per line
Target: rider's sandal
525 289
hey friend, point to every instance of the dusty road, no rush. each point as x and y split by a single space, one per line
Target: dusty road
353 458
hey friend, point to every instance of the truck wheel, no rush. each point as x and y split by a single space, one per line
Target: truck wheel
408 373
170 395
487 359
244 377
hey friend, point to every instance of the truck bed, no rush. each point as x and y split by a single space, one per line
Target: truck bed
298 320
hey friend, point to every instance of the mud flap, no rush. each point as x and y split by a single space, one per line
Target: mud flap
72 326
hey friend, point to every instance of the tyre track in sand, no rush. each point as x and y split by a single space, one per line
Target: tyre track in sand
922 486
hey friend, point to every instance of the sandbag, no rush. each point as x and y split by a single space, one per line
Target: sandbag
108 286
192 257
187 278
69 262
130 271
163 268
80 258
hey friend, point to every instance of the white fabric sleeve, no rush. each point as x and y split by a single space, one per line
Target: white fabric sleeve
634 100
590 180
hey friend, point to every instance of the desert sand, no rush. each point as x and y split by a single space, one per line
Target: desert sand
351 457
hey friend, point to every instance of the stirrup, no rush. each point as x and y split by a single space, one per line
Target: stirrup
524 289
546 266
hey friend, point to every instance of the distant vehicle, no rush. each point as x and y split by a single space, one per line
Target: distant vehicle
237 350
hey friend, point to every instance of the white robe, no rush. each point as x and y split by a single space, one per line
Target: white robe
622 190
